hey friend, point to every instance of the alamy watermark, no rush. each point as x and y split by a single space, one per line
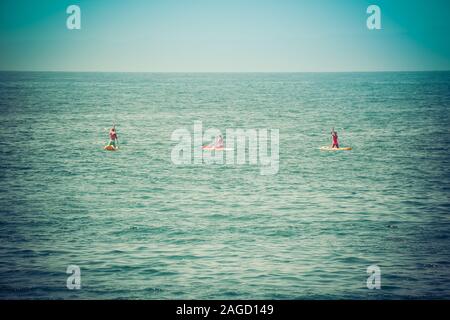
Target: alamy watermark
74 280
73 21
258 147
374 279
373 22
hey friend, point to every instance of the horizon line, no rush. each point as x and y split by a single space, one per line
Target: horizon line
206 72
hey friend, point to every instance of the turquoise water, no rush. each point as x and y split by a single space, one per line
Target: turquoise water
141 227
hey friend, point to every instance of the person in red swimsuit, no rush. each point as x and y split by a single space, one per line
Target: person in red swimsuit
113 138
334 138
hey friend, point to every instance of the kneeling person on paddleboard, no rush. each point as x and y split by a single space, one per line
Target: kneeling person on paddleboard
334 138
113 138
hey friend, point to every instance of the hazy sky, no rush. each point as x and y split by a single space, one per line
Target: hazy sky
224 36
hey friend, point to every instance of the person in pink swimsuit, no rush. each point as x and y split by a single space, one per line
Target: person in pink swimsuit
113 138
219 142
334 138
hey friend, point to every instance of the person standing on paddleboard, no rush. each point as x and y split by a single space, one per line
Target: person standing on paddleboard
334 138
219 142
113 138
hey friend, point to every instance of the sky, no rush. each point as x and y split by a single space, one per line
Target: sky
224 36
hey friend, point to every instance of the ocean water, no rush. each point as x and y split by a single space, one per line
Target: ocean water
140 227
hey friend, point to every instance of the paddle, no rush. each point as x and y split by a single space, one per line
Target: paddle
117 136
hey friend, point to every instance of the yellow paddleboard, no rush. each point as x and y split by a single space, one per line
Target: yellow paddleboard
335 149
111 148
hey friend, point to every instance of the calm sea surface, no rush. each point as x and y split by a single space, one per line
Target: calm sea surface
140 227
